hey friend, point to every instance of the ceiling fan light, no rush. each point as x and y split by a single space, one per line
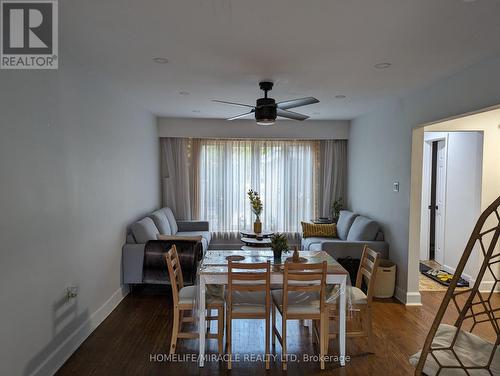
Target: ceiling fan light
265 122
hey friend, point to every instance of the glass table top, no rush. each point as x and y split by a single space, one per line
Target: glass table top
215 261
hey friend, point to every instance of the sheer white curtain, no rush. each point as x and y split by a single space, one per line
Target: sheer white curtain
283 172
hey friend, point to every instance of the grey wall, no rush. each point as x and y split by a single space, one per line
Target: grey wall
78 162
283 129
380 149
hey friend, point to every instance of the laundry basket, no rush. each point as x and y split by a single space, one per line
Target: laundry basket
385 281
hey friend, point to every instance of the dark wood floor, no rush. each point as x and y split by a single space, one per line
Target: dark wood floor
140 328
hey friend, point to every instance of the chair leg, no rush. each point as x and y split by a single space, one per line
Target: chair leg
283 345
267 340
323 335
367 328
175 331
273 314
220 329
228 339
209 313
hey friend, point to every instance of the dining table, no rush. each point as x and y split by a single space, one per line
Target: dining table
213 270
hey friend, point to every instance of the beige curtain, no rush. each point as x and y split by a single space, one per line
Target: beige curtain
332 174
175 172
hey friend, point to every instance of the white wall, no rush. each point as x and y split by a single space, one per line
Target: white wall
463 196
283 129
380 153
78 162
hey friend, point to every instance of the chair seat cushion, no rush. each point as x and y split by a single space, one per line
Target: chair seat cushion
472 351
298 302
214 295
356 295
249 301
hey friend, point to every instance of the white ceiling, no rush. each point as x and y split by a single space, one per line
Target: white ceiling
221 49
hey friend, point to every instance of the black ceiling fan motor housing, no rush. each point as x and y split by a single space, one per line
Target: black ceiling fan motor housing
265 109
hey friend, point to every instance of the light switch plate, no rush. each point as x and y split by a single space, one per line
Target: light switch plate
395 186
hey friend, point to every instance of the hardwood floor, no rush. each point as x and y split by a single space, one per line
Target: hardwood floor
140 327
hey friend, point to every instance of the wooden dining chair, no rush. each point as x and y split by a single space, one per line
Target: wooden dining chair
248 297
302 298
184 300
361 315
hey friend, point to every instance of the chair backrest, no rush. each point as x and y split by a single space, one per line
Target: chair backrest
302 277
248 277
174 272
367 271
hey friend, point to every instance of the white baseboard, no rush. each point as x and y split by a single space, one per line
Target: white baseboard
59 356
408 298
486 286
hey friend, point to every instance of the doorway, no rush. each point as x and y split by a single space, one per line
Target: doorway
451 189
434 195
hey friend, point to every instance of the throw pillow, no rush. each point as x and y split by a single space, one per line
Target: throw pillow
310 230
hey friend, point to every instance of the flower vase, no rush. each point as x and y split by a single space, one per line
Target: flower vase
257 226
277 254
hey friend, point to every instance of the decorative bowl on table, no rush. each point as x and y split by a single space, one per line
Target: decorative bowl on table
235 258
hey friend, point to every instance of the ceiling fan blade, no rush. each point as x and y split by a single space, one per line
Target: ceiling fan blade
290 114
241 116
233 103
296 103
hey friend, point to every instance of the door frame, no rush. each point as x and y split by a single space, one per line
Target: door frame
429 138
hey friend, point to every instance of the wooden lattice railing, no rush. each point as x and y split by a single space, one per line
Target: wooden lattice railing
475 308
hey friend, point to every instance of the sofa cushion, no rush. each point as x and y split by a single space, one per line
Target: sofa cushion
204 234
197 238
315 247
144 230
171 220
161 222
205 240
363 229
307 242
344 223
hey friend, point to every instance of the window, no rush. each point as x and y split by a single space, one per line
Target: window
283 172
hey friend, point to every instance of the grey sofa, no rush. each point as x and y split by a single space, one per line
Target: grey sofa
354 231
163 222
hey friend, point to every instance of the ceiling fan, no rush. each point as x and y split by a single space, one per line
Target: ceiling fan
266 110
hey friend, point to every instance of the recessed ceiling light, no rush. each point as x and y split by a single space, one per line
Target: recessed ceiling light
196 111
382 65
183 93
160 60
340 96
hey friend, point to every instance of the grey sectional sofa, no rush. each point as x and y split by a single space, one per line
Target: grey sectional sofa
354 231
163 222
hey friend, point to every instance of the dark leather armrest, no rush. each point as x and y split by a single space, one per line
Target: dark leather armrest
155 267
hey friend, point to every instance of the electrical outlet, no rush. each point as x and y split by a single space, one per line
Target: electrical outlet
395 186
71 292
